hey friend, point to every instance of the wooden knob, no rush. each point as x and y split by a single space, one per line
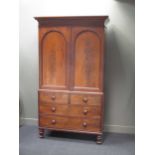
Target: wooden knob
53 109
85 99
53 97
53 121
85 111
84 124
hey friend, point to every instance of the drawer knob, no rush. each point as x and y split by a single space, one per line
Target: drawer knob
53 97
53 109
85 111
53 121
85 99
84 124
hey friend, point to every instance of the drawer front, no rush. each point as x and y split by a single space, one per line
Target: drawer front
70 110
84 99
84 124
53 97
84 111
51 121
70 123
48 108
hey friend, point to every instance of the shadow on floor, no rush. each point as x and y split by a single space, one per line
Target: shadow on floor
70 136
74 136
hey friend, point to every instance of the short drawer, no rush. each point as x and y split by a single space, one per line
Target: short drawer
53 97
49 108
84 111
85 99
70 123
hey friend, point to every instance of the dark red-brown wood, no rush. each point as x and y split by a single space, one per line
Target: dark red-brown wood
71 74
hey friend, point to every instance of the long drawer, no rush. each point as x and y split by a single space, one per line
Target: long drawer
71 123
69 110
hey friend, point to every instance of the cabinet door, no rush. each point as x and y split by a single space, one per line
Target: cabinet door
54 47
87 58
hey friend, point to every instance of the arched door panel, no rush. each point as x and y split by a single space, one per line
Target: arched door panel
54 50
87 60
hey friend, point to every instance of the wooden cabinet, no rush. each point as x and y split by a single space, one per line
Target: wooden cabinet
71 74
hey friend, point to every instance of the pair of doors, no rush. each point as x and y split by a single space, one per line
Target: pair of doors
71 58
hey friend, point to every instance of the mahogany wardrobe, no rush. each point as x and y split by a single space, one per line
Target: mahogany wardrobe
71 74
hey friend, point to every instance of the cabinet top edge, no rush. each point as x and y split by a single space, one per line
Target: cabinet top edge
48 18
72 21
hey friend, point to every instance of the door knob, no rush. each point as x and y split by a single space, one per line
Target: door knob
53 97
85 111
84 124
53 121
85 99
53 109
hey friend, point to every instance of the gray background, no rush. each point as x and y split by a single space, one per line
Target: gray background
119 59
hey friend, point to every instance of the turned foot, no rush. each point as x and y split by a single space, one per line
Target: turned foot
41 133
99 139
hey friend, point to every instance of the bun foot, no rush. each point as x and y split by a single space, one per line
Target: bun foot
41 133
99 139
